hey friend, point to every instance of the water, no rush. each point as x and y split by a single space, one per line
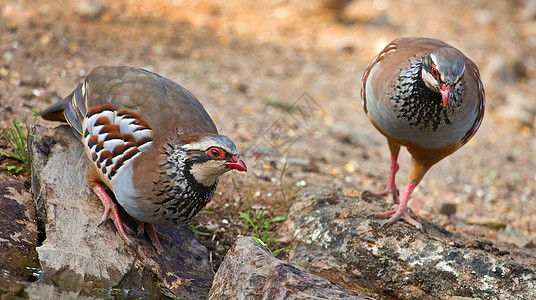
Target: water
39 287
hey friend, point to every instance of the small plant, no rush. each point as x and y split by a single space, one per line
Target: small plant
281 186
18 139
260 223
195 228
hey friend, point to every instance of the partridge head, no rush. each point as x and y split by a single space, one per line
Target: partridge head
427 96
442 70
151 142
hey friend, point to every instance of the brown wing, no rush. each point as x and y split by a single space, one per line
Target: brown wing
167 107
389 48
478 93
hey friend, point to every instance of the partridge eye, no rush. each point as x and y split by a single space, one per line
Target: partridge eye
435 72
216 153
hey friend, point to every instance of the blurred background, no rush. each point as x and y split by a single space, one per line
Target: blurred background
254 64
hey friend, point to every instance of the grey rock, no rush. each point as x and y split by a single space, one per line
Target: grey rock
249 271
95 258
335 239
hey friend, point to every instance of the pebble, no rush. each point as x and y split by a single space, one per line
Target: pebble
350 167
301 183
448 209
485 221
92 9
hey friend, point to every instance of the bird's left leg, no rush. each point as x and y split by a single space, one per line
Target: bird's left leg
391 191
153 235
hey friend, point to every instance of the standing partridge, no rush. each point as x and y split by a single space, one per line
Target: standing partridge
427 96
151 142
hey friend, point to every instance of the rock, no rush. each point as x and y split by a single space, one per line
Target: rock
366 10
504 69
485 221
92 9
517 111
76 252
529 9
249 271
447 209
350 136
335 239
15 13
18 234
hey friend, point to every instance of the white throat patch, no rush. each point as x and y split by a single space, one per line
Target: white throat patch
208 172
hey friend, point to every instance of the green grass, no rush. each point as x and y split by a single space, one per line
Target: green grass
17 138
282 171
196 228
259 222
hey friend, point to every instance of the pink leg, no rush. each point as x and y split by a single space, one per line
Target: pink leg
153 235
401 210
391 191
110 212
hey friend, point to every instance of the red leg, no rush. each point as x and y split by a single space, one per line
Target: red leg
153 235
391 191
401 210
141 228
110 212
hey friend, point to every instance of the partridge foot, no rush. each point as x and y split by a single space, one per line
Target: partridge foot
391 194
391 191
110 213
400 212
154 236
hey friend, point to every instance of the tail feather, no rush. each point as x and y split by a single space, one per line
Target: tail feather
72 109
55 111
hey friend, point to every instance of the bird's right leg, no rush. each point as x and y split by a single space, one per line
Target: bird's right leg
391 191
111 213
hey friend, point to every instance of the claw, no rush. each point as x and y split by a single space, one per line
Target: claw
154 235
141 228
399 214
390 193
401 210
111 213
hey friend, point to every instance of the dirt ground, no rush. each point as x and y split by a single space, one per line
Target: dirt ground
282 79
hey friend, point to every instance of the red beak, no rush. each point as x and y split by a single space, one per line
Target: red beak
445 91
237 164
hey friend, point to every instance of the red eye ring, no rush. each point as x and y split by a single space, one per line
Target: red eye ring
216 153
435 72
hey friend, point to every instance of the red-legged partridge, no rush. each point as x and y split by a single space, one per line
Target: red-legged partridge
151 142
427 96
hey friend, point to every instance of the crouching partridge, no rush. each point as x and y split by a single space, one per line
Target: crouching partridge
427 96
151 142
